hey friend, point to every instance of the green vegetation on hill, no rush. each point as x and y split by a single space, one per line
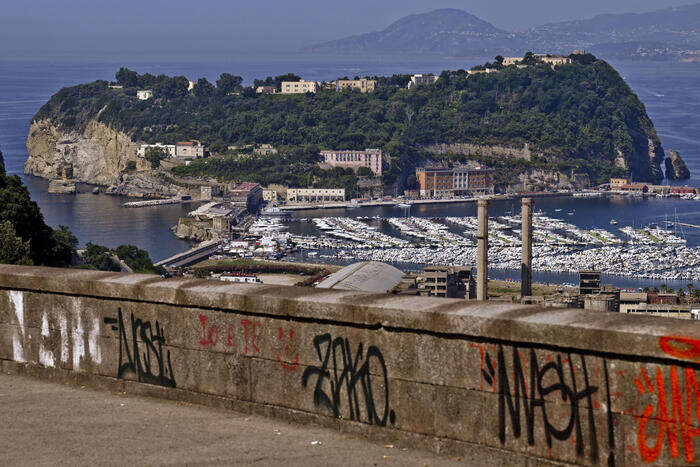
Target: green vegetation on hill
580 116
24 236
26 239
102 258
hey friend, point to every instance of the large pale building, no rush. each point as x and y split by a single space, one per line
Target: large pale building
315 195
144 94
363 85
298 87
553 60
422 80
370 158
180 150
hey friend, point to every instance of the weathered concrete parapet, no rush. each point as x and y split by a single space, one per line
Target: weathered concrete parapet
496 382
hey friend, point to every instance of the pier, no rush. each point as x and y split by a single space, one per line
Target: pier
196 254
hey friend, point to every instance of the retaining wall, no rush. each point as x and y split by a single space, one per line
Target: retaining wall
495 383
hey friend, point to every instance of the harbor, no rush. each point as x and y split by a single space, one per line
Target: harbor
646 253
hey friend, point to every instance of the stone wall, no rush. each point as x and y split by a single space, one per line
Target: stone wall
496 383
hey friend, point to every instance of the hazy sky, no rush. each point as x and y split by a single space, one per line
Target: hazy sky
225 28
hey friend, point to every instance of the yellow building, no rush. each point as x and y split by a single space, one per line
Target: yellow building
298 87
616 183
363 85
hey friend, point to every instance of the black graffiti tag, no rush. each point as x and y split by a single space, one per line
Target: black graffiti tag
148 364
550 379
343 372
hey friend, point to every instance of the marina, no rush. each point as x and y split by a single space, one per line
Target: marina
652 252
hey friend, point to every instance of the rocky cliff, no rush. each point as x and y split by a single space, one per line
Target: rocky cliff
675 167
98 154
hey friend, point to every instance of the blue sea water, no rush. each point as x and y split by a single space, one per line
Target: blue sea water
670 92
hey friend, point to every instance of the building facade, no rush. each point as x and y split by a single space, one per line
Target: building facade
616 183
480 181
298 87
180 150
435 182
441 182
422 80
370 158
363 85
266 90
269 195
447 282
315 195
189 150
248 194
144 94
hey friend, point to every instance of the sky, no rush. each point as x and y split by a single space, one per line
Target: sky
227 28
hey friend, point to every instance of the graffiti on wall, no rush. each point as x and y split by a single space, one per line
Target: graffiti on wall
246 336
72 348
340 371
570 397
672 417
141 353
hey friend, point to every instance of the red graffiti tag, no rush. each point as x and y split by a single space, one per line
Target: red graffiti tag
680 420
287 351
681 347
253 334
213 333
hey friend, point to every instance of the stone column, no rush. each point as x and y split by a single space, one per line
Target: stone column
482 251
526 265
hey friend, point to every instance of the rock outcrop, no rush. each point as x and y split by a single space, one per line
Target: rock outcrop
97 155
62 187
145 185
482 150
675 167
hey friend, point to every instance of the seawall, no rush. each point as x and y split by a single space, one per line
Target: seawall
496 383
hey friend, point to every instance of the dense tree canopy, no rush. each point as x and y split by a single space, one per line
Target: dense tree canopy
46 246
581 115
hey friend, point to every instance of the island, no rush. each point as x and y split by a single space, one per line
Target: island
539 121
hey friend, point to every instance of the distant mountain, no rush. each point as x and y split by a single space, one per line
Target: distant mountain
671 27
445 31
672 31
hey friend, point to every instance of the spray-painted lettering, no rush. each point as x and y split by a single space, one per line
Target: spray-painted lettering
339 372
150 364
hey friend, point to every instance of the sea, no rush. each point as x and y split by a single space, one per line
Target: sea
669 90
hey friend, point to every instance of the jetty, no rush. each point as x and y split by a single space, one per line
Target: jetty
157 202
194 255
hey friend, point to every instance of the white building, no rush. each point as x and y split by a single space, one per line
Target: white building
299 87
180 150
144 94
370 158
422 80
315 195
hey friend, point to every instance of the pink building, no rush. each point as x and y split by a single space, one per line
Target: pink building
370 158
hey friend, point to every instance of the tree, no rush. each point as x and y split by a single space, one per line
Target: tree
529 59
13 250
203 88
228 83
127 78
99 257
138 260
65 245
154 155
364 172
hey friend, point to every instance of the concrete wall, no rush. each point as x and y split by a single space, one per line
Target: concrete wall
495 383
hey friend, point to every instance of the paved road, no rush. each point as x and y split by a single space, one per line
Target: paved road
45 423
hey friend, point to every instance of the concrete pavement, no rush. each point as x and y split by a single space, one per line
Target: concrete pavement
46 423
